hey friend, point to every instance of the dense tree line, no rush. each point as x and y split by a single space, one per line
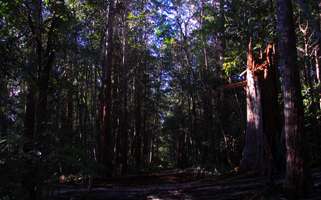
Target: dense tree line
115 87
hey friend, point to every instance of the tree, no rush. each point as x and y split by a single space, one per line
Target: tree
262 130
297 177
106 140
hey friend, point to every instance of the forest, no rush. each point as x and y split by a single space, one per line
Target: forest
160 99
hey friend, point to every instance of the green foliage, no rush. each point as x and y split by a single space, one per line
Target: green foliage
169 41
163 30
230 66
133 17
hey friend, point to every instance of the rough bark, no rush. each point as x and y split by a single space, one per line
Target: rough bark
297 181
262 131
270 107
252 152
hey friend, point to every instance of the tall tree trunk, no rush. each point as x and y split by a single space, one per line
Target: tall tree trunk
124 109
297 177
221 36
206 98
106 140
271 116
138 118
42 114
35 24
45 67
253 149
262 131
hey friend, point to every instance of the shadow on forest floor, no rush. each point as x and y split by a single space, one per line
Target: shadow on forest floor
180 185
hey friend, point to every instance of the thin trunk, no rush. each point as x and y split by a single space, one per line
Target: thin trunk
124 102
138 118
106 143
206 100
221 39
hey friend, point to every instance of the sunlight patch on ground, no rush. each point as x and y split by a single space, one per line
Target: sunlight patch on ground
170 195
152 197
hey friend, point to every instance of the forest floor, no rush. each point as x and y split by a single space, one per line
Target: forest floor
181 185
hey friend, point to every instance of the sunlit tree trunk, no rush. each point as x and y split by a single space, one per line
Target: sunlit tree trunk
252 157
262 131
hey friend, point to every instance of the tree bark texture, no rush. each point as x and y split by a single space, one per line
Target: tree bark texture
262 131
297 181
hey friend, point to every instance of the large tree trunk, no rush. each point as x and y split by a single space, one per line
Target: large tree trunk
44 65
262 131
35 23
42 114
271 116
124 110
297 181
252 157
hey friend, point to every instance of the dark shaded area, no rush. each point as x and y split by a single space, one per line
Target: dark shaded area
175 185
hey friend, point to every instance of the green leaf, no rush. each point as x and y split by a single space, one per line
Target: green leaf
46 2
169 41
